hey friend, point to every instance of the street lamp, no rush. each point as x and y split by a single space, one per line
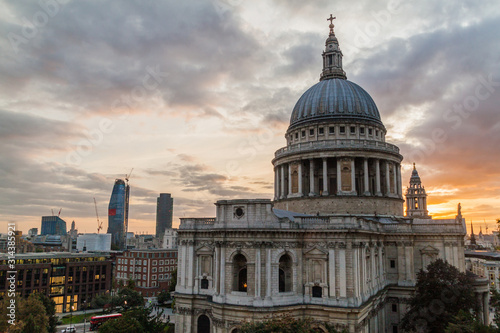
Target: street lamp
84 315
125 305
71 309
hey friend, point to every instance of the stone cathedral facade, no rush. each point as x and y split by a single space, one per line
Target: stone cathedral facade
334 244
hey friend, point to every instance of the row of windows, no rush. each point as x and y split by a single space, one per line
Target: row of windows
342 130
144 277
170 254
58 261
145 262
145 269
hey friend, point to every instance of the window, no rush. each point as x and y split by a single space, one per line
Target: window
155 263
204 283
321 131
162 262
161 269
203 324
394 329
394 307
317 291
353 129
361 130
376 133
331 130
370 131
311 132
296 135
393 263
154 276
240 273
154 269
303 134
285 274
342 129
125 261
144 277
119 261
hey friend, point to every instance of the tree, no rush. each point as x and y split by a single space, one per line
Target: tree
130 284
464 322
132 297
163 296
148 321
30 316
442 291
50 310
284 324
173 281
121 325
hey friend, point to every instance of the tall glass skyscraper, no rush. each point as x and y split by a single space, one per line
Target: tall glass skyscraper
116 216
164 211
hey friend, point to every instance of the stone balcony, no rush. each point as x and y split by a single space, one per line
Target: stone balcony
337 144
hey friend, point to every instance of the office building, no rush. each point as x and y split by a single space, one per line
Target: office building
53 225
164 212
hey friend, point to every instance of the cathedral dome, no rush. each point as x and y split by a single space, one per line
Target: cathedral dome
334 99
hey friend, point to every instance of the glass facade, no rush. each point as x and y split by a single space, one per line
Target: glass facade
116 216
164 211
53 225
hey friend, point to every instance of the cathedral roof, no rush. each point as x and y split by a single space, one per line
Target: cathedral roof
334 97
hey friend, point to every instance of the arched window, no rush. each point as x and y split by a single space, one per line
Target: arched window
317 291
204 283
240 273
285 274
203 324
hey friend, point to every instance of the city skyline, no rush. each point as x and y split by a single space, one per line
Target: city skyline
196 97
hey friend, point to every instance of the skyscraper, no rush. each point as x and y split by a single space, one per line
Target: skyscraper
164 210
116 215
53 225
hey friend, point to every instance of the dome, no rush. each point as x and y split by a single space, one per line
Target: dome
334 99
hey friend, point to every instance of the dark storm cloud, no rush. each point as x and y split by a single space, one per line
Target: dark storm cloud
108 54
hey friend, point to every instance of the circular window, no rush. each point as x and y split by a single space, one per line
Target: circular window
239 212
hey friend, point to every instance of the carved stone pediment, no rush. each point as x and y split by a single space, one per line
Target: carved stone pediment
430 251
316 252
205 250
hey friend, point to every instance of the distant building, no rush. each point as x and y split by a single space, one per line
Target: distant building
33 232
64 277
53 225
116 216
485 264
150 269
170 239
93 242
164 211
143 242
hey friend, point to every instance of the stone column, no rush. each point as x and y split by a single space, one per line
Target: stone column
387 179
366 179
300 178
486 312
222 271
395 178
325 176
339 177
217 269
190 273
257 273
331 272
377 178
268 273
289 180
182 266
311 177
353 175
399 189
282 183
276 184
342 273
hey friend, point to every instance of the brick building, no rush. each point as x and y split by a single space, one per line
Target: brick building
64 277
150 269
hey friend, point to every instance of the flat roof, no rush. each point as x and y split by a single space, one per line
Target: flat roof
54 255
483 254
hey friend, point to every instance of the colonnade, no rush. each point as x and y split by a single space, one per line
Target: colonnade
326 176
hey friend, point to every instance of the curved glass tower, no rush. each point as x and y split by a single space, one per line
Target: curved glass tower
116 216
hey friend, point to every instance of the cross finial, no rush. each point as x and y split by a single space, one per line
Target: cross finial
331 18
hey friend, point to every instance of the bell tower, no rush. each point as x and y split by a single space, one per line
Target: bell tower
416 198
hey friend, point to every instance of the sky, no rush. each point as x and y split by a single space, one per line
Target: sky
195 97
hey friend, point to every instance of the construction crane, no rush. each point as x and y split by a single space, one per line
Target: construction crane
59 212
99 224
127 199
